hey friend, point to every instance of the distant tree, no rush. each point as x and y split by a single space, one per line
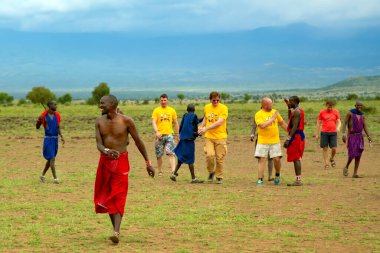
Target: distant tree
352 96
91 101
22 101
156 100
303 99
40 95
274 96
181 97
65 99
247 97
145 102
5 99
224 96
99 91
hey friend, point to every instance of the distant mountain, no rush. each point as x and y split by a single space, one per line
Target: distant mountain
362 82
294 56
363 86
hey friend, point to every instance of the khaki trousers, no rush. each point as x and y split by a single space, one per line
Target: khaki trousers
215 150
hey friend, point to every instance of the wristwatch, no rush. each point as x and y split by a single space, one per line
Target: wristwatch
106 150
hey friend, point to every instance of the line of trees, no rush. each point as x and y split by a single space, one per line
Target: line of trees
41 95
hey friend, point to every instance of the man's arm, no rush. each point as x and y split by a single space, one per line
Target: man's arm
176 128
269 122
203 124
60 134
366 129
317 128
99 139
140 145
289 109
39 122
283 125
253 131
345 124
155 128
339 124
219 122
295 122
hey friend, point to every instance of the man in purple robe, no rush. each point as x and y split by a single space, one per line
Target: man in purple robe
355 122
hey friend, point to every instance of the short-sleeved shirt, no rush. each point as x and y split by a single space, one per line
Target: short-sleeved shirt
328 120
212 114
164 117
270 134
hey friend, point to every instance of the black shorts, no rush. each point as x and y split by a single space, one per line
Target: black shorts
329 139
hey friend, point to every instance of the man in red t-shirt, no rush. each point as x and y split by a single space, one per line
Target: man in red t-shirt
328 126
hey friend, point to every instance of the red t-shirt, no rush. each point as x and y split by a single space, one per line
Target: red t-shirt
328 119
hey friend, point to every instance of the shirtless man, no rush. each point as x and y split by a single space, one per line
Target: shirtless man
111 184
295 142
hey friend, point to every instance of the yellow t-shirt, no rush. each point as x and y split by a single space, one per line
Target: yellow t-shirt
164 117
212 114
270 134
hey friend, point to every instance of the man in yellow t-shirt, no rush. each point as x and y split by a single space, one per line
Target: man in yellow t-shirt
214 128
268 140
163 119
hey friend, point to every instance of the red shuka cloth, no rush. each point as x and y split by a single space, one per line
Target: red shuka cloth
111 184
295 149
297 146
43 115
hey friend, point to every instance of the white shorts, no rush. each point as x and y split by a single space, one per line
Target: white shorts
268 150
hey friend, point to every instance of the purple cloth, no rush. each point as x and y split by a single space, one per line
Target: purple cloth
355 143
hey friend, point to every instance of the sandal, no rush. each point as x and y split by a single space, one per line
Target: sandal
356 176
345 172
115 237
327 166
333 164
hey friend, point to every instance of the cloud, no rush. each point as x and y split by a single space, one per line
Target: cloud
181 15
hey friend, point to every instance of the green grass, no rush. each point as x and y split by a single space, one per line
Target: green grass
163 216
78 120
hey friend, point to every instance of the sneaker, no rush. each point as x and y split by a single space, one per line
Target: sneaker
296 183
277 181
196 181
173 177
160 174
43 179
56 181
270 179
345 172
210 177
219 180
259 183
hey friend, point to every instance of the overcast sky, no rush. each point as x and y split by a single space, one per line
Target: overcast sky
179 16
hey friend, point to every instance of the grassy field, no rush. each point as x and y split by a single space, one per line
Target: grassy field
329 213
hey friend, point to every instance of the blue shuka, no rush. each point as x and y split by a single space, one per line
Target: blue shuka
50 148
188 131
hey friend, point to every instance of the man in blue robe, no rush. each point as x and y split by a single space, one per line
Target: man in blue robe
185 149
51 120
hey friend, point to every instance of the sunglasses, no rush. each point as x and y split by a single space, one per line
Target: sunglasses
215 100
